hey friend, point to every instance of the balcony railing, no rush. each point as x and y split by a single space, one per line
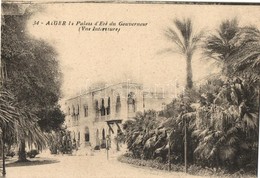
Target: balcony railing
117 115
102 118
74 121
131 114
108 117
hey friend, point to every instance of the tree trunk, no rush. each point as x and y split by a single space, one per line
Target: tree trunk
191 147
3 153
189 82
169 154
185 145
189 85
258 112
22 152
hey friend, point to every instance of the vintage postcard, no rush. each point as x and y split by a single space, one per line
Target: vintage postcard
129 89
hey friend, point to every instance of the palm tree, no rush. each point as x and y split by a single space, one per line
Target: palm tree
8 113
237 50
140 131
247 56
19 125
185 43
226 123
30 133
18 121
8 118
218 46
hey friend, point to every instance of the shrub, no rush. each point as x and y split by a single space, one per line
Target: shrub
97 147
193 169
127 158
11 154
32 153
129 154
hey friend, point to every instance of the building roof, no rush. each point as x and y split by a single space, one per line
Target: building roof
103 88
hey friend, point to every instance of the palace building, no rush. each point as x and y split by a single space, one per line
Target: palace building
92 116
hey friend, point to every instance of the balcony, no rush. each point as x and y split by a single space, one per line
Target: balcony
117 115
131 115
74 121
97 118
102 118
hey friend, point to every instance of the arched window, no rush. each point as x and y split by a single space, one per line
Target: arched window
87 134
78 141
97 138
78 110
103 143
68 110
74 135
118 104
73 110
108 106
103 134
131 102
97 108
103 110
85 111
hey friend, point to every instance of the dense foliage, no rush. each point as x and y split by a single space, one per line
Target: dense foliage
222 119
30 73
185 42
221 114
61 142
32 69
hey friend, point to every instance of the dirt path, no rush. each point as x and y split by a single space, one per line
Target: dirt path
85 166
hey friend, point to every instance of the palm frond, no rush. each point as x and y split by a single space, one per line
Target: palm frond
185 27
247 55
251 120
170 50
171 35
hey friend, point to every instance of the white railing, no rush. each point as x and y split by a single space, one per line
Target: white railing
131 114
102 118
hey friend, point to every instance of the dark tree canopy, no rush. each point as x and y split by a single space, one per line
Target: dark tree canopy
33 73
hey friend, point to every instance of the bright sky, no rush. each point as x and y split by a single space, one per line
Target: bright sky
133 53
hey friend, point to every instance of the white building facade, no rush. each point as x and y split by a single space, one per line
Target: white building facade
98 114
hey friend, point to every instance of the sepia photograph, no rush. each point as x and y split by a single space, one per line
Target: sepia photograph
124 89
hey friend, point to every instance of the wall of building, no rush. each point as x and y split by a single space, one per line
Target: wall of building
85 113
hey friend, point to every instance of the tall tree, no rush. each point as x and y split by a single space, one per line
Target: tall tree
8 120
247 56
185 43
226 123
235 105
32 75
218 45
